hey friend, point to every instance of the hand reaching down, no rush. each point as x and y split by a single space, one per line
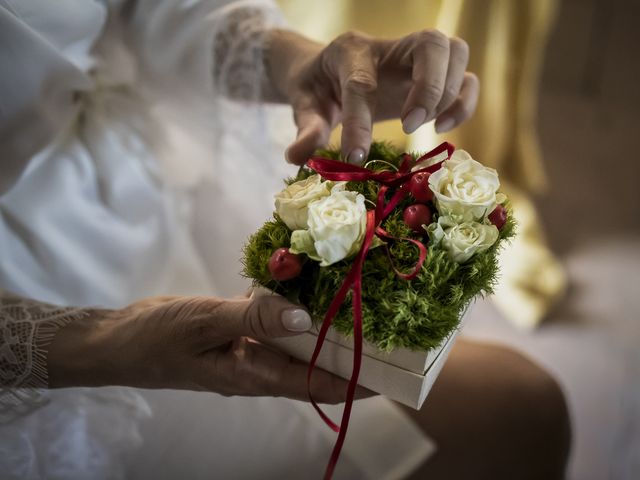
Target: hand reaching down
358 79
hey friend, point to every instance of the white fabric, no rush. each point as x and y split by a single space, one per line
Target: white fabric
110 114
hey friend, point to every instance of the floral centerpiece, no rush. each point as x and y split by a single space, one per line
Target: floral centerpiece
306 250
391 252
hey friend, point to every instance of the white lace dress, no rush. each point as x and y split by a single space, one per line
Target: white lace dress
126 170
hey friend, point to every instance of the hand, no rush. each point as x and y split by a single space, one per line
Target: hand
191 343
358 79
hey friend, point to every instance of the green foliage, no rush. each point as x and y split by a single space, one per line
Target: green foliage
416 314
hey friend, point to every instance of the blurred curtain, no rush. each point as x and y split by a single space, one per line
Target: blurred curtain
507 39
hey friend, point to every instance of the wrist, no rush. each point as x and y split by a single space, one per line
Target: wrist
84 353
286 55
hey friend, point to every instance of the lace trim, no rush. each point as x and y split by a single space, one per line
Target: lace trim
26 330
239 71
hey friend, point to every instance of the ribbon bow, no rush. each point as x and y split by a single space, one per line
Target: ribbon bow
340 171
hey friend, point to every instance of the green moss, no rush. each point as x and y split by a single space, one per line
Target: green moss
416 314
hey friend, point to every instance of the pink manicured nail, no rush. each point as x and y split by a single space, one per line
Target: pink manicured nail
445 125
414 119
296 320
356 156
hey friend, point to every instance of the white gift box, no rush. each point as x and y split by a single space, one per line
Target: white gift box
403 375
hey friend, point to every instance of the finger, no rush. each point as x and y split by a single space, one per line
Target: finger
295 364
464 106
458 60
357 72
314 130
263 316
430 56
252 369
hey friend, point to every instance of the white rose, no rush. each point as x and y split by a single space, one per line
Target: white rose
462 241
464 188
292 202
336 227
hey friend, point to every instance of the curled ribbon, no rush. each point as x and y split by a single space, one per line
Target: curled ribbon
340 171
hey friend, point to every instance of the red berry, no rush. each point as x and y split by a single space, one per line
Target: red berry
417 215
498 217
284 265
419 187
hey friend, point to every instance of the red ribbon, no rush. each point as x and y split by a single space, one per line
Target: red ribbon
340 171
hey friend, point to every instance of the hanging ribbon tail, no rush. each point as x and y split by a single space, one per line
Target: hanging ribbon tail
352 278
357 344
332 311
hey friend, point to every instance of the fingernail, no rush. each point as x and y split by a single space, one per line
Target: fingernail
414 119
445 125
356 156
296 320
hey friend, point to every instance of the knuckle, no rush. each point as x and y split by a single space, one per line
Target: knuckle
356 127
352 37
458 45
450 94
433 38
252 319
242 364
361 82
432 94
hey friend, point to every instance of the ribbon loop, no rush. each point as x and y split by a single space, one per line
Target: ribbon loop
422 255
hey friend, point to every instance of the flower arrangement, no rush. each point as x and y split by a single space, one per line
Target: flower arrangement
392 252
452 207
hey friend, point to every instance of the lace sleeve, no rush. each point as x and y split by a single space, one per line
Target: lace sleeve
27 328
200 48
238 51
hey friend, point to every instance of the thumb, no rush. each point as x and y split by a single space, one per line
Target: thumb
313 132
263 315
